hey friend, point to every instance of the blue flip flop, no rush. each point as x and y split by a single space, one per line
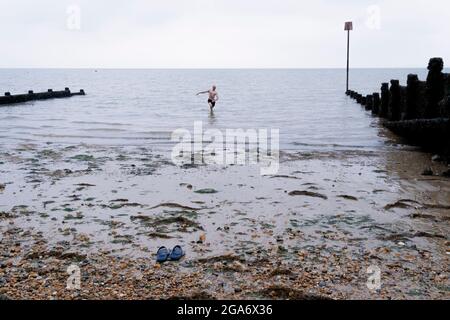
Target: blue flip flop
162 255
176 254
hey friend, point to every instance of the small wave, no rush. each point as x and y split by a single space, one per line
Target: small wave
24 128
17 138
11 118
161 133
99 137
101 123
328 145
105 130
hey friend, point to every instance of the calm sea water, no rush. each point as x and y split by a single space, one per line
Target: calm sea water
143 107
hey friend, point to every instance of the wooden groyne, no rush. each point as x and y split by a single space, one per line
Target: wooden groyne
8 98
419 111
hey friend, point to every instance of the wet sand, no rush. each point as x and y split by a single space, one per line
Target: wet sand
310 232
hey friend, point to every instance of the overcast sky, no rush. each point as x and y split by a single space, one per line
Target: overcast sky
221 33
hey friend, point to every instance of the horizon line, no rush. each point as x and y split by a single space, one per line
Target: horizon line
206 68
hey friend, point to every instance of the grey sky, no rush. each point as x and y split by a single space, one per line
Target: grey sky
222 33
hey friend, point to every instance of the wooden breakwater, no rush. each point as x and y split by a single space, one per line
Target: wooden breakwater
419 111
8 98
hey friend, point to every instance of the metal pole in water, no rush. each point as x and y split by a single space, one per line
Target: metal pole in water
348 28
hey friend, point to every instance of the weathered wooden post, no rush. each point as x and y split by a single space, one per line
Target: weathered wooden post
415 98
435 87
412 97
369 102
385 98
376 103
395 101
445 103
363 100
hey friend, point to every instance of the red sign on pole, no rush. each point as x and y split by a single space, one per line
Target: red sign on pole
348 26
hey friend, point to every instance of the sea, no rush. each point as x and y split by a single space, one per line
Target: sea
143 107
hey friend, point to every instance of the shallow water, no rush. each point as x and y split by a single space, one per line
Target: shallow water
143 107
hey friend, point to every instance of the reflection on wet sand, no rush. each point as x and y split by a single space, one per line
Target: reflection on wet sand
313 228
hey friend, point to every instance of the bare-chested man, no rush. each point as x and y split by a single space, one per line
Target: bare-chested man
213 96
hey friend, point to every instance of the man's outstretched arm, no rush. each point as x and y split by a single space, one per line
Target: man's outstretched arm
203 92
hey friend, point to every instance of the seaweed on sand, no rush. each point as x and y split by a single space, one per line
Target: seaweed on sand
206 191
285 177
402 204
58 254
308 194
347 197
223 258
407 203
429 217
6 215
407 236
78 216
175 205
156 235
85 185
283 293
122 239
121 205
83 157
182 223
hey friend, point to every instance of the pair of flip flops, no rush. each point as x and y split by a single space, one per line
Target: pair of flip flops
164 254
